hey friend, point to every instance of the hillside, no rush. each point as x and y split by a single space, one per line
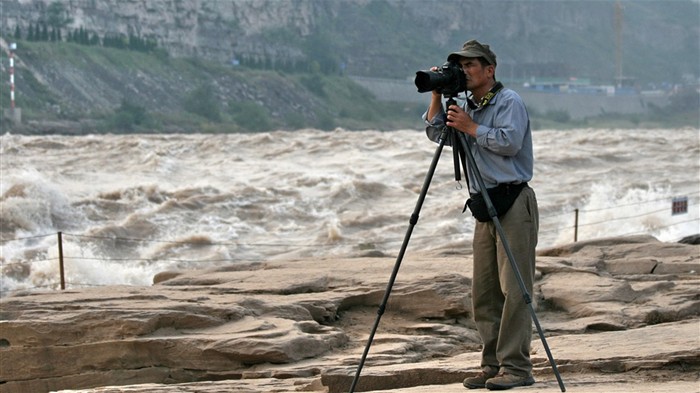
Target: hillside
70 88
252 65
393 38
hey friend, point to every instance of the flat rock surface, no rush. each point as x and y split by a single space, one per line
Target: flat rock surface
619 315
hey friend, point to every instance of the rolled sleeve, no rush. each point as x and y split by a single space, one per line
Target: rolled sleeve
434 126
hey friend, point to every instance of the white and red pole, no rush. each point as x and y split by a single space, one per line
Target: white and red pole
13 46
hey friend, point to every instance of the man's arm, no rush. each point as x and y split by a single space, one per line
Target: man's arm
506 136
435 105
433 121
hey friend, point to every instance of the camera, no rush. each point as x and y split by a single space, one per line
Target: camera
448 80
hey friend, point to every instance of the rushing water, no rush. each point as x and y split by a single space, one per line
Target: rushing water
129 206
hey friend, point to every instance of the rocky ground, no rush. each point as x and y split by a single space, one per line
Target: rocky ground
619 315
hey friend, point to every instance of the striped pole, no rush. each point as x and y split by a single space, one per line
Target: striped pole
13 46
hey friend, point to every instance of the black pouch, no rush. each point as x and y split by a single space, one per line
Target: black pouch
502 198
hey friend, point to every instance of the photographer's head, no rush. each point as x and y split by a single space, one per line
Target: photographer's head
479 65
475 49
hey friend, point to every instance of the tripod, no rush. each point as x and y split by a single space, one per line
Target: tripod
454 135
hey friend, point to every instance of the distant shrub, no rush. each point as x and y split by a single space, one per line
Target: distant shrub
251 116
326 122
128 117
202 101
313 83
294 121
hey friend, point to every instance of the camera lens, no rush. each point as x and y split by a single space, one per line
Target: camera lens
427 81
448 80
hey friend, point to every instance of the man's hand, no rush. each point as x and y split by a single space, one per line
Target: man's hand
460 120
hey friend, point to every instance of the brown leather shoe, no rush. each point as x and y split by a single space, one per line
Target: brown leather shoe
479 381
505 381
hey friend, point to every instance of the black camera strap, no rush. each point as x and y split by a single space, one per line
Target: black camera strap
487 98
458 152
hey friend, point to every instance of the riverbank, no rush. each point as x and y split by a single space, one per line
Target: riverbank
619 314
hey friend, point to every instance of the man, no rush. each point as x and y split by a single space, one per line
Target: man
497 128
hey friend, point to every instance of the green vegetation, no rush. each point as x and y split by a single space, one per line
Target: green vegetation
120 90
251 116
281 79
129 117
201 101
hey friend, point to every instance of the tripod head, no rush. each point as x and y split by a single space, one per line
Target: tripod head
450 100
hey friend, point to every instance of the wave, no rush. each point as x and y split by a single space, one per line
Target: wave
133 205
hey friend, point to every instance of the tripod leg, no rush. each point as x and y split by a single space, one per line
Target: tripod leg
397 265
511 258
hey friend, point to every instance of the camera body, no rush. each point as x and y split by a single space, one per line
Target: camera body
448 80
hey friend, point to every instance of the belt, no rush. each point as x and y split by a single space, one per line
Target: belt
506 188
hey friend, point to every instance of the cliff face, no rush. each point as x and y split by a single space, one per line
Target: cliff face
373 38
390 38
214 29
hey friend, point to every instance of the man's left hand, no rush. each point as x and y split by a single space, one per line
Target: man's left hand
460 120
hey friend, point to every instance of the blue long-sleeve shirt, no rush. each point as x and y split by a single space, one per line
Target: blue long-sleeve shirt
502 148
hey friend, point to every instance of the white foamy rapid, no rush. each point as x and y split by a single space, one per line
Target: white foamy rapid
130 206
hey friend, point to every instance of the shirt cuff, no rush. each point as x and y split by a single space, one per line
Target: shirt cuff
482 135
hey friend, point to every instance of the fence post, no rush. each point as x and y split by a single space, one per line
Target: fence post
60 260
576 226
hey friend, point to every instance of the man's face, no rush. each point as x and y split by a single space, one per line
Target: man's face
477 74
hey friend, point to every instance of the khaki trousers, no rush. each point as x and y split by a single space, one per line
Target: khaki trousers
502 317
